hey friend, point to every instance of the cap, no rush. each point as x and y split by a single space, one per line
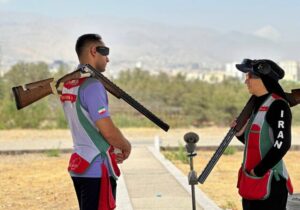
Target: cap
261 67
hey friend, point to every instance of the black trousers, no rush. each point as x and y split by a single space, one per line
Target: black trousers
88 191
276 201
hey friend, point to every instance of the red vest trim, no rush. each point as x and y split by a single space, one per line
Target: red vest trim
263 108
73 83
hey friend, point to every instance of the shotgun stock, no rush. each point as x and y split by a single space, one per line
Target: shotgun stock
293 99
29 93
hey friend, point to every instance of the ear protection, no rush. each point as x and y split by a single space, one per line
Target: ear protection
258 67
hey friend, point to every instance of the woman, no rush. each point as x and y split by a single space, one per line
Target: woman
263 179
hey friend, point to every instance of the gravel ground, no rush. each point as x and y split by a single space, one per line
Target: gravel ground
36 182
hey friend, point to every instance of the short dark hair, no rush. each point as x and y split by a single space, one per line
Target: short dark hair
85 39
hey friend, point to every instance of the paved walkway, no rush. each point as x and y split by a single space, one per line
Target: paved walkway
151 186
172 138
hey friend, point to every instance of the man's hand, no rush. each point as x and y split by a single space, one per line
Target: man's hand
119 155
126 152
122 155
114 136
119 158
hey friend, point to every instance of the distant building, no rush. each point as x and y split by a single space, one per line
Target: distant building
210 76
139 65
196 72
193 75
231 71
291 69
214 76
55 65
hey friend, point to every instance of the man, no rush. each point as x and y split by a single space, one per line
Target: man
263 181
93 165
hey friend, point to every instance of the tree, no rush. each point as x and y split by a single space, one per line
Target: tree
2 89
33 116
23 73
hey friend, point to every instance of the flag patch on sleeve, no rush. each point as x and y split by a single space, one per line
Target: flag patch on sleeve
102 110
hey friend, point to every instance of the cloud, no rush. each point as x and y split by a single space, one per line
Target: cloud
268 32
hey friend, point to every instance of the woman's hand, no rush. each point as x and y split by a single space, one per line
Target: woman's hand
252 172
241 132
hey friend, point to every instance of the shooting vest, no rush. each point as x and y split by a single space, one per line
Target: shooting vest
259 140
88 142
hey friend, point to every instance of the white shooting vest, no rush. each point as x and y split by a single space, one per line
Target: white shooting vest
88 142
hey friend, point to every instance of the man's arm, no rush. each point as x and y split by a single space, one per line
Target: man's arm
94 100
113 135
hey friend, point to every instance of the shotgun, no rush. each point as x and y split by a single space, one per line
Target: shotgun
293 99
29 93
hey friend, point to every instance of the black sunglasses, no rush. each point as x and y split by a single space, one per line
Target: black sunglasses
102 50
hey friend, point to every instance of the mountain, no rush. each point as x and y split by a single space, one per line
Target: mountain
155 46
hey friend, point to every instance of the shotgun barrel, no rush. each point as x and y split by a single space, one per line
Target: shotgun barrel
240 122
119 93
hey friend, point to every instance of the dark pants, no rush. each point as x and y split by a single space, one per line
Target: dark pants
88 190
276 201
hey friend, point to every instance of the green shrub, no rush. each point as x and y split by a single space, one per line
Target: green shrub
230 150
181 154
53 153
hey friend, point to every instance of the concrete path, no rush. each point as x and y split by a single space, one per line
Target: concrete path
172 138
151 186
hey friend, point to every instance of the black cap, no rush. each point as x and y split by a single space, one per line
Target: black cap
261 67
268 71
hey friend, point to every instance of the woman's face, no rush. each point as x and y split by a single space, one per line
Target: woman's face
255 84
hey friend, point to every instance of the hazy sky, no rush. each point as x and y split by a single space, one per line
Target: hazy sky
244 28
277 18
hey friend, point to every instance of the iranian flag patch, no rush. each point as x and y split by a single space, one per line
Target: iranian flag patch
102 110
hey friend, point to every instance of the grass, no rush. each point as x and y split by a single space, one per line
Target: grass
53 153
230 150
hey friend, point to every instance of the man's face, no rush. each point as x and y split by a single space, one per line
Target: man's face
101 56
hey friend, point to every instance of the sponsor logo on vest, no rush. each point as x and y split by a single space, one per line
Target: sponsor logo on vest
68 97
